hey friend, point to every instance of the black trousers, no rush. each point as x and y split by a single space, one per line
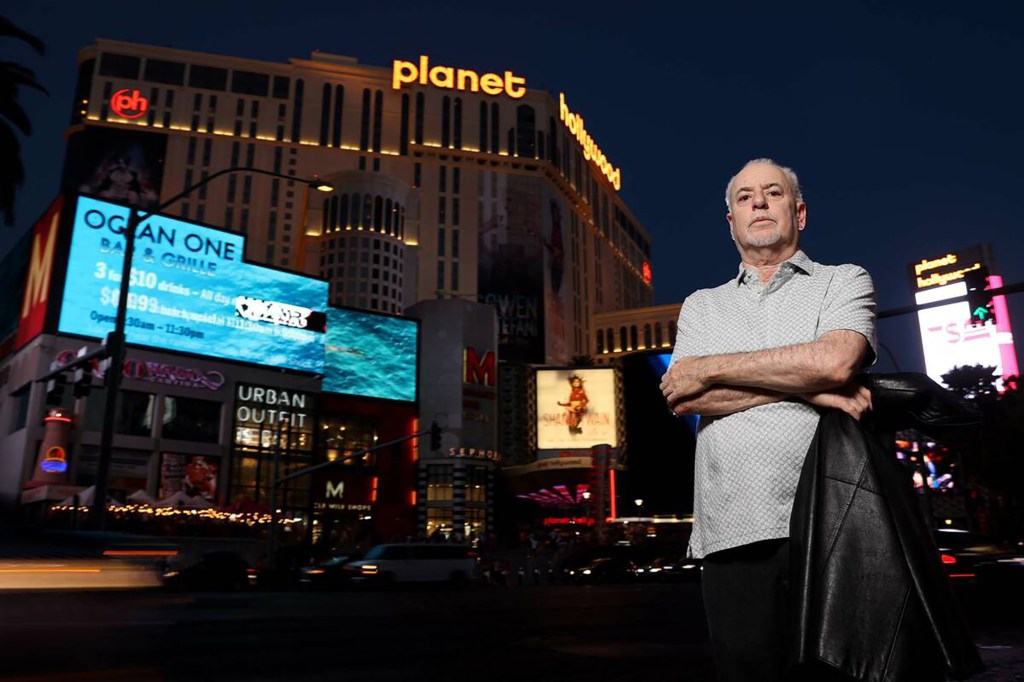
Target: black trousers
745 600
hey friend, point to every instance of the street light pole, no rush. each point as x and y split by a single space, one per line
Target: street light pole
274 483
115 343
115 368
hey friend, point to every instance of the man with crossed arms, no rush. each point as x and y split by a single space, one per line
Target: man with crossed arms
756 358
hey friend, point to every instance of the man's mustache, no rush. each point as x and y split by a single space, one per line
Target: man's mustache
761 216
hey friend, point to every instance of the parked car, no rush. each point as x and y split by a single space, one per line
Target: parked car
970 558
670 569
604 569
330 573
220 570
413 562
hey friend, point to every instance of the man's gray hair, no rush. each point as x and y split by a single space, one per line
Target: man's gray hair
794 181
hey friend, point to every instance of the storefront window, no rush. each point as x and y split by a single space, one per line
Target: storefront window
271 423
195 475
133 415
476 523
244 472
191 419
439 483
342 436
476 484
128 472
439 521
19 415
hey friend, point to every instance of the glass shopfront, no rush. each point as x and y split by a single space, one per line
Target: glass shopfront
271 423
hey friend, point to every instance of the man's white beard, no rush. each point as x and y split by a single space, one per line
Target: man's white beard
765 238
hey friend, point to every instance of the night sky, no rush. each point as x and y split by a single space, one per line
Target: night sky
904 123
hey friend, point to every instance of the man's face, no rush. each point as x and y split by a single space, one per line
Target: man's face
764 214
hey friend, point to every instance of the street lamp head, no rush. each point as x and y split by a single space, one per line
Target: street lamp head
321 185
639 502
585 494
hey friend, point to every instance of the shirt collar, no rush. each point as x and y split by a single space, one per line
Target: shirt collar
798 261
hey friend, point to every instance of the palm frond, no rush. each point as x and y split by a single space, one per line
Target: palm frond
15 75
12 172
9 30
14 113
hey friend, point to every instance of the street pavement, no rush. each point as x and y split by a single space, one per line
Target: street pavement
647 632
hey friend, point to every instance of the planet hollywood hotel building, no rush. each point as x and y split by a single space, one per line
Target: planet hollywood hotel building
448 183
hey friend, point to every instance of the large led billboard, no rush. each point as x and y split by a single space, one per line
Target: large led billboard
190 291
370 355
577 408
949 339
949 336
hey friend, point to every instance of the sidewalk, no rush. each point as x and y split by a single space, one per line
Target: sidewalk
1002 649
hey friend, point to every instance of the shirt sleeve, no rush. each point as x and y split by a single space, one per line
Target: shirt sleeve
850 305
687 329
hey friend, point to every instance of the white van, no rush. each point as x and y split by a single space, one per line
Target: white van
414 562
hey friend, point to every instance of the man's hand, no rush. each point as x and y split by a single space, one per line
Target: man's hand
683 379
853 399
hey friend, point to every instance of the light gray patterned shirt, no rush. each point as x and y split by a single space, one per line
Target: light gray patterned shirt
748 463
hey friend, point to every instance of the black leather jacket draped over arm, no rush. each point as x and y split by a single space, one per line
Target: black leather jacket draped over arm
871 596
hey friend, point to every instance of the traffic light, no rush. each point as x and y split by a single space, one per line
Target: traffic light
978 299
55 390
82 382
435 436
104 370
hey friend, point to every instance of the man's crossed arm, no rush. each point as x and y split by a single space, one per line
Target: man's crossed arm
820 372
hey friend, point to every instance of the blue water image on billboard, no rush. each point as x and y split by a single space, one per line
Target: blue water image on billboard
190 291
370 355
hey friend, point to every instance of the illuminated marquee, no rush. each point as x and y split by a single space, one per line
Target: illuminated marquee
258 405
477 369
56 460
190 291
37 281
950 337
576 408
591 152
449 78
474 453
944 276
129 104
948 268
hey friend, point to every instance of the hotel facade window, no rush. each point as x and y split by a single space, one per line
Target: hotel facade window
325 113
440 487
339 107
364 122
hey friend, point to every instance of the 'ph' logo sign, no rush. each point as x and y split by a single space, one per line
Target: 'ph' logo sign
129 103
